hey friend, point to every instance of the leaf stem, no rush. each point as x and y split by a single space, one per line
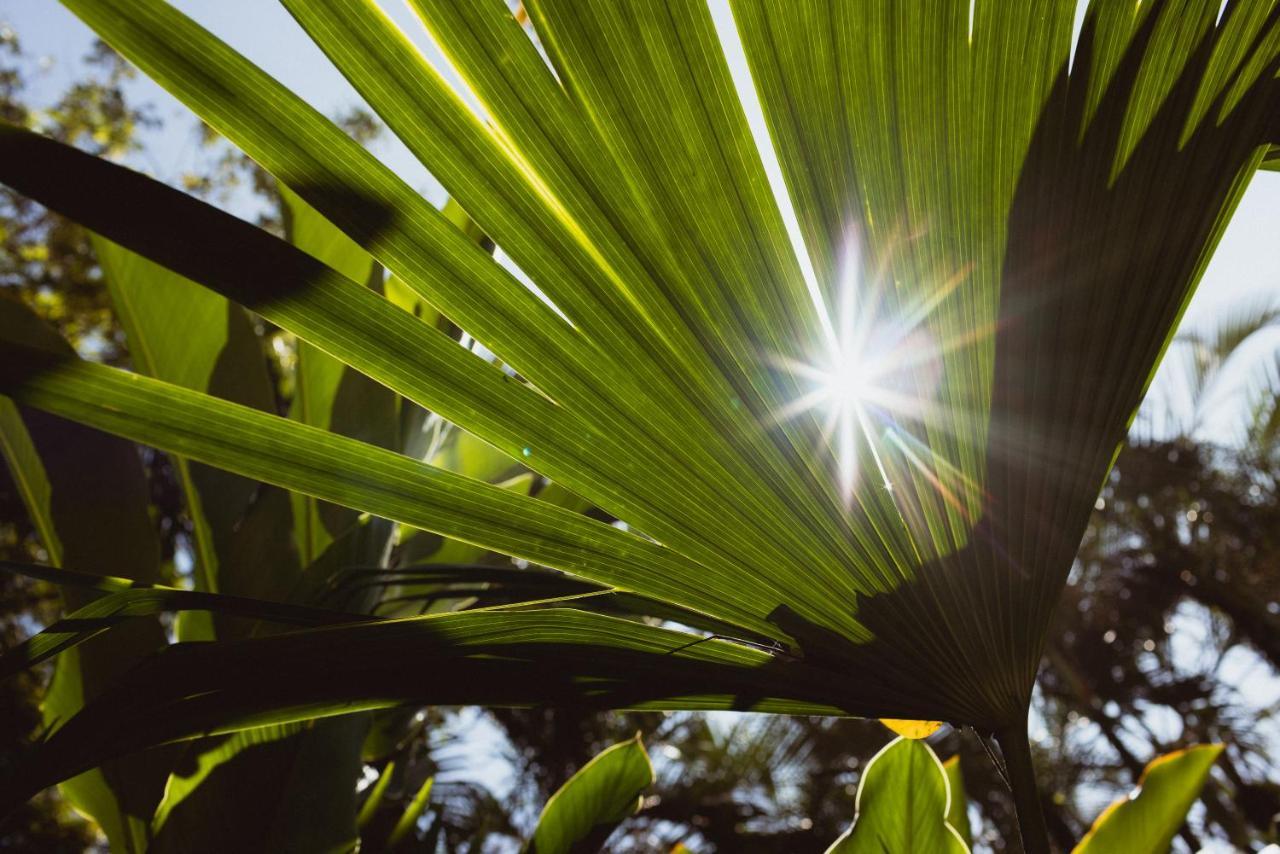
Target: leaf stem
1026 797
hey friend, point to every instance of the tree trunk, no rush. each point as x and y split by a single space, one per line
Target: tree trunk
1026 796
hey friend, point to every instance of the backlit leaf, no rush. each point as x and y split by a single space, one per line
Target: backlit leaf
903 802
1146 821
582 813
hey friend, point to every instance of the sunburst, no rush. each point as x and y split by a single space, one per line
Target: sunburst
878 366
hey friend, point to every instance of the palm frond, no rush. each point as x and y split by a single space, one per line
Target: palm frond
879 453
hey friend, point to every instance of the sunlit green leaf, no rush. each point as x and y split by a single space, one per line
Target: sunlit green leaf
958 811
583 812
1146 821
903 804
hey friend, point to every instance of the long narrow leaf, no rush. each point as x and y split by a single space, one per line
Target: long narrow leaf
125 605
350 321
483 657
354 474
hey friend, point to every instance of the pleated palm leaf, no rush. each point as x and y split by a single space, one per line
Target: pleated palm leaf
867 465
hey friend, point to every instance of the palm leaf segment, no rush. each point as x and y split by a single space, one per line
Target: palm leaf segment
879 454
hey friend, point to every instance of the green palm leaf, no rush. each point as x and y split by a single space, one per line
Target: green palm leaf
496 657
884 466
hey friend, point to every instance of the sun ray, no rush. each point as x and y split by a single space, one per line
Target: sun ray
878 367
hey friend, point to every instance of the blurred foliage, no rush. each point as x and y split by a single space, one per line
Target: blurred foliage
46 261
1168 633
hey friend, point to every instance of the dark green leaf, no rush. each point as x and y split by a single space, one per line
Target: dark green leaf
505 658
138 601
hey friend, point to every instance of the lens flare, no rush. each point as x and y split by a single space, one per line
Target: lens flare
877 366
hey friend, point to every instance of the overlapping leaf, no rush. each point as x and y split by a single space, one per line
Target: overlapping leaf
85 493
505 658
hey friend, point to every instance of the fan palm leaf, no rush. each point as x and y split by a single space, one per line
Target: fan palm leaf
880 452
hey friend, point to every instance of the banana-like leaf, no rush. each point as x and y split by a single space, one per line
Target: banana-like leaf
182 333
903 804
582 813
958 811
302 776
886 465
1145 821
306 769
86 495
